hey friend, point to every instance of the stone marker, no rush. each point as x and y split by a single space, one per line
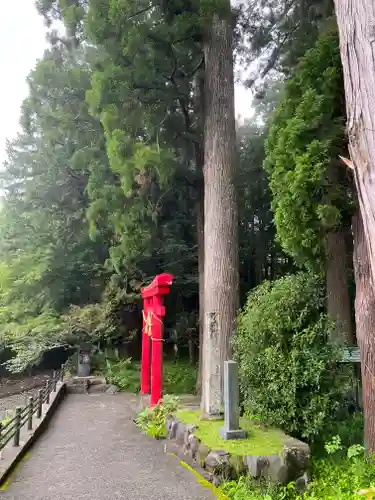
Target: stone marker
84 361
231 429
211 390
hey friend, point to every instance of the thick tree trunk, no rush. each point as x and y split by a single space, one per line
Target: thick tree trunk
221 280
199 161
200 229
356 21
338 301
365 326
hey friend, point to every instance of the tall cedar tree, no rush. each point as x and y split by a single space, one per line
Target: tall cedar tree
356 22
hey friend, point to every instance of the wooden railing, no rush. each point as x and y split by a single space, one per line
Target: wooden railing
11 430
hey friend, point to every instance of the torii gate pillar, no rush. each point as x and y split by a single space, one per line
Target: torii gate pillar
152 336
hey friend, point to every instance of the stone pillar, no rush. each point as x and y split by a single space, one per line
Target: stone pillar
231 429
211 398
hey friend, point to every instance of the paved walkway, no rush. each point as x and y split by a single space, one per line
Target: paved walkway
93 451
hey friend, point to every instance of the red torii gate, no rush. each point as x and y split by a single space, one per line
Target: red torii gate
152 336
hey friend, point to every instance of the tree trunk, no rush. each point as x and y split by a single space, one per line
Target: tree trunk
199 161
356 22
200 229
365 325
338 301
221 280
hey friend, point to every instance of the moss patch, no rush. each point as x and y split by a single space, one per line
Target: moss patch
260 441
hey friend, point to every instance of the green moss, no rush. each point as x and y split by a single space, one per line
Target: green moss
260 441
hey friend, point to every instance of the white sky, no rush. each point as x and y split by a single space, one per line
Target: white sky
22 42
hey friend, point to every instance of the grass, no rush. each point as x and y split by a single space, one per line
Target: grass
259 442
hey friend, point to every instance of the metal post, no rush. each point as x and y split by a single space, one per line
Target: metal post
17 427
30 410
54 381
40 404
47 391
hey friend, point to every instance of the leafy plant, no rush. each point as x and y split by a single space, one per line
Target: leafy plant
289 374
334 445
123 373
152 421
180 377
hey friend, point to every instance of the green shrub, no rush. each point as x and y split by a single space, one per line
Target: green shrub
123 373
152 421
345 474
289 374
178 378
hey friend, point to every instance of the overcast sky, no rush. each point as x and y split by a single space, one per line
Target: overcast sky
22 42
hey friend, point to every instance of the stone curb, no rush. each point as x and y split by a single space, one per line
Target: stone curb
291 464
12 455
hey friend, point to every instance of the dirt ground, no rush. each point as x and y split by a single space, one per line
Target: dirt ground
14 391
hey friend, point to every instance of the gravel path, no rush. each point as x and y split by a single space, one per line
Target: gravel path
93 451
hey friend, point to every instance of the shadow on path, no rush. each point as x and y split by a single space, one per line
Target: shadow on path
93 451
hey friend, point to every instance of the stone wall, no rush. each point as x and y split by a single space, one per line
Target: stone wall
218 465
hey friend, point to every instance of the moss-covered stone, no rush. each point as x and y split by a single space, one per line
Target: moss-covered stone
266 453
260 441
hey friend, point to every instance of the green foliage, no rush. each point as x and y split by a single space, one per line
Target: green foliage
289 374
152 421
124 374
343 475
305 139
178 378
48 262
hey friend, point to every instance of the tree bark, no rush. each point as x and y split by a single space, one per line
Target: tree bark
356 22
221 280
365 327
200 229
199 162
338 301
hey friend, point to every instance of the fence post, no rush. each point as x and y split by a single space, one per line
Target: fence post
40 404
54 381
30 411
17 427
47 391
62 370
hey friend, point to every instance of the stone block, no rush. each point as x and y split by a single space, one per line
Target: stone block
193 447
203 452
112 389
237 466
180 433
297 457
171 427
189 429
217 462
256 465
232 433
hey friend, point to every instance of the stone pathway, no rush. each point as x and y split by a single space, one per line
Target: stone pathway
93 451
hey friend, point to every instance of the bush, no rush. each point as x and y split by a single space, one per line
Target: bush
178 378
152 421
345 474
289 374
